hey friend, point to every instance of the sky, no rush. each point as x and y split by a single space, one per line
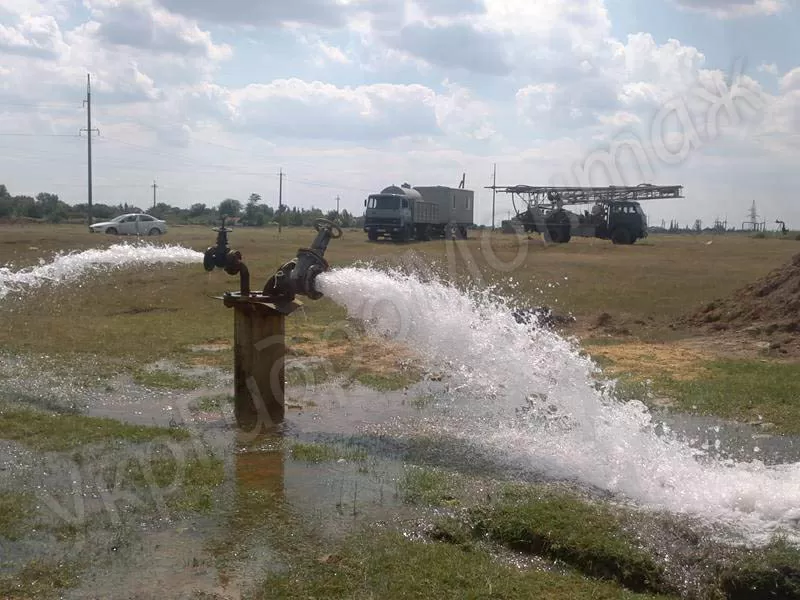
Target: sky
212 100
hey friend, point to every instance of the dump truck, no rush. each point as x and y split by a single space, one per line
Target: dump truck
403 213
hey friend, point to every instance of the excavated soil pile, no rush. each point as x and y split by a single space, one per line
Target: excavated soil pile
768 307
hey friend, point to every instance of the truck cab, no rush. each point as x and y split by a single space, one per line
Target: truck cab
389 213
625 222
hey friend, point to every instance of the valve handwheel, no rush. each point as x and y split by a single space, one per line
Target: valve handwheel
320 223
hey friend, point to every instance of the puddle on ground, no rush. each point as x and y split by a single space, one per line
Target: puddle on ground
729 440
159 554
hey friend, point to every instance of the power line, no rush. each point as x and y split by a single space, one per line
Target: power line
14 134
39 105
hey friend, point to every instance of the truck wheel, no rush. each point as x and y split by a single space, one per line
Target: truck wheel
621 236
558 226
463 232
372 235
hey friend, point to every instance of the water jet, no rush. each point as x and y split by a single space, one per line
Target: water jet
259 322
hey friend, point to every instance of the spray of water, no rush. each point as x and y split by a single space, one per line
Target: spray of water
74 266
529 394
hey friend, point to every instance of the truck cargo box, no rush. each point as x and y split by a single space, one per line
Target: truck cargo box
425 212
456 205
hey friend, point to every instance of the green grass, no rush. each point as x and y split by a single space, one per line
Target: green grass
387 382
16 509
213 403
772 572
386 565
54 432
39 580
742 390
587 536
164 380
535 520
428 486
196 480
318 453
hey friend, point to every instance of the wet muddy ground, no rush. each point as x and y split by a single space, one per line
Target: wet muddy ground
203 511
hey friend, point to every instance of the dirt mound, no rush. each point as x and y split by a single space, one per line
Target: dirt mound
769 306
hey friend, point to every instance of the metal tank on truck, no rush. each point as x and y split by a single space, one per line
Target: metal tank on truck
403 213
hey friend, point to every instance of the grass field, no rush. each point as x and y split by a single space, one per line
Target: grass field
124 319
624 299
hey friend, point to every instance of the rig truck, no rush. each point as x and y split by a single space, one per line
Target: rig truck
615 214
405 213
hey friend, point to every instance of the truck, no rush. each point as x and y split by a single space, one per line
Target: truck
404 213
615 215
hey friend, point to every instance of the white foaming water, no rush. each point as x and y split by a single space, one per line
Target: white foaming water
71 267
568 427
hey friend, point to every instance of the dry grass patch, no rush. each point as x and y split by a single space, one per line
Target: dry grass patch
647 361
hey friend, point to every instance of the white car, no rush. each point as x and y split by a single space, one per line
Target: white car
132 224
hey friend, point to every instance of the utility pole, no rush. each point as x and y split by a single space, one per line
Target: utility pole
494 191
337 205
280 200
89 131
154 186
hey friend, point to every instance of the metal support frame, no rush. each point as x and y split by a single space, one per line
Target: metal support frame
552 196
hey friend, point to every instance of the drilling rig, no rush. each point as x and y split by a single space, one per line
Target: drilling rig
615 214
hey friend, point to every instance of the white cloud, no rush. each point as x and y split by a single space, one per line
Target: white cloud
141 24
35 36
791 80
411 89
56 9
456 45
316 110
728 9
770 68
458 113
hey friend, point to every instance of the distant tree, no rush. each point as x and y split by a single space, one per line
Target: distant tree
197 210
230 208
161 210
253 213
346 219
25 206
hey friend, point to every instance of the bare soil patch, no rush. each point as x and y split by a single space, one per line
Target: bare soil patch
767 309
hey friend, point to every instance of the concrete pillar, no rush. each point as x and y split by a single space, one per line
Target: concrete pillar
259 356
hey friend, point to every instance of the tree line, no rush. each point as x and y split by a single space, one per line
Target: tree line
254 212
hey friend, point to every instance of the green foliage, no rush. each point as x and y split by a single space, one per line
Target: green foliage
49 208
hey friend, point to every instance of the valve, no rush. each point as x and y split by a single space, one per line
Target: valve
222 257
299 274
